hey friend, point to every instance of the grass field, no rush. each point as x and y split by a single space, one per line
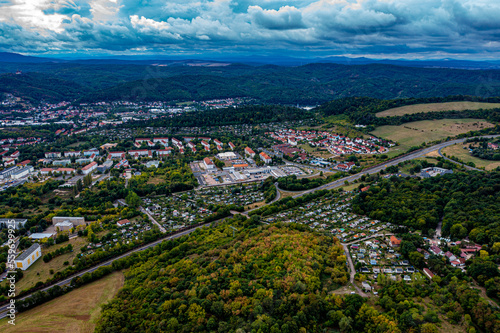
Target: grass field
40 270
433 107
464 155
415 133
77 311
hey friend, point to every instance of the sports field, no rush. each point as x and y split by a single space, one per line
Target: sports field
463 154
415 133
76 312
433 107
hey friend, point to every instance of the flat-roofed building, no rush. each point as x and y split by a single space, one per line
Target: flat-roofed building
16 223
75 220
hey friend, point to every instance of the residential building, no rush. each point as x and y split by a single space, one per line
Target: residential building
53 155
8 172
116 154
395 242
123 223
249 151
89 168
23 172
265 158
164 152
105 166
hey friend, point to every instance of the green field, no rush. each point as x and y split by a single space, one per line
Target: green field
415 133
433 107
463 154
76 312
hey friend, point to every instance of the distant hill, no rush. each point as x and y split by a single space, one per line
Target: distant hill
19 58
311 84
36 86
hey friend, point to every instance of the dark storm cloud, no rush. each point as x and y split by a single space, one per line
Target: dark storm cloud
384 27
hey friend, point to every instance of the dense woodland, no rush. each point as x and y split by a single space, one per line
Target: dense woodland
310 84
250 114
467 204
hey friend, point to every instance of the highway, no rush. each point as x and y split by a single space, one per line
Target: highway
329 186
411 156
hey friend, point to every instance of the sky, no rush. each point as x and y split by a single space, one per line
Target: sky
410 29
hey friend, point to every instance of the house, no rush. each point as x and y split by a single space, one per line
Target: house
345 166
436 250
218 143
123 223
265 158
231 145
407 278
28 257
428 273
366 286
249 151
209 165
89 168
395 242
7 172
450 256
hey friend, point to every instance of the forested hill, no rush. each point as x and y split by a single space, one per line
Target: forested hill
307 85
310 84
37 86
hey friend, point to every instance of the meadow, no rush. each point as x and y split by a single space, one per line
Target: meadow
463 154
415 133
76 312
433 107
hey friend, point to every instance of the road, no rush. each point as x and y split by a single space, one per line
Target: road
145 211
3 309
353 272
351 264
411 156
332 185
464 165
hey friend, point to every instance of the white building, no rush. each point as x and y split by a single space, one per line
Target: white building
89 168
28 257
209 165
22 172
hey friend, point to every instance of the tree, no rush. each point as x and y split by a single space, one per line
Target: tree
132 199
345 324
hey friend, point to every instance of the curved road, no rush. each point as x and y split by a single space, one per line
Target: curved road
329 186
411 156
